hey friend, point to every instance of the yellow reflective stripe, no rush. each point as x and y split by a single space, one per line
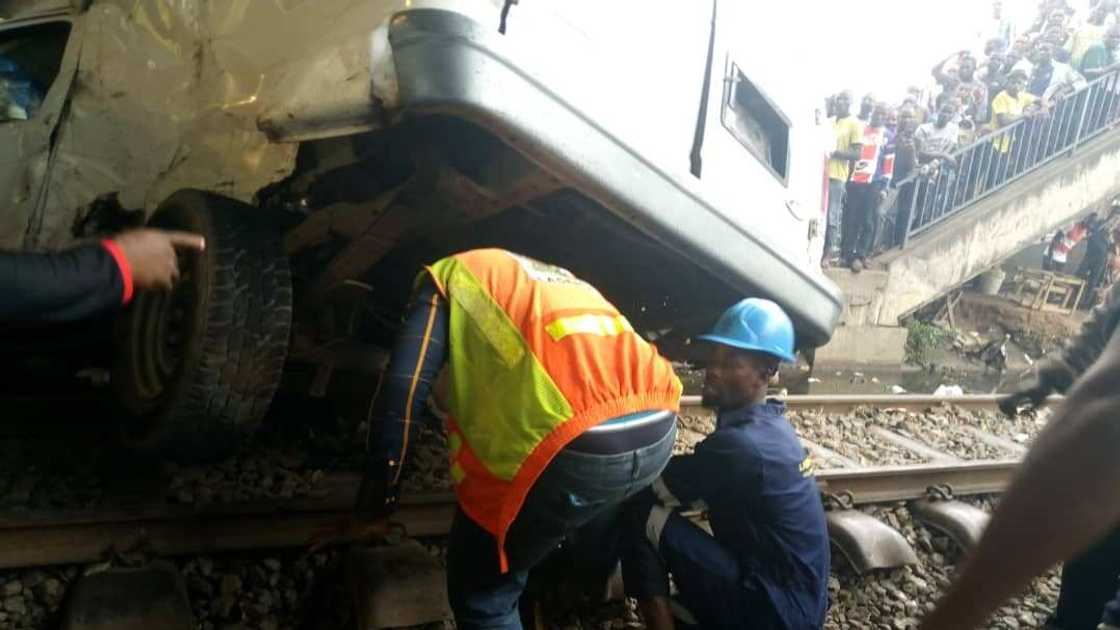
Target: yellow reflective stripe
492 322
457 473
454 443
602 325
503 400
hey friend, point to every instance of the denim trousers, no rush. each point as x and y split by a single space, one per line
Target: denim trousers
573 489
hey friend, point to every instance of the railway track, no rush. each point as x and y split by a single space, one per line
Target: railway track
41 538
909 402
51 537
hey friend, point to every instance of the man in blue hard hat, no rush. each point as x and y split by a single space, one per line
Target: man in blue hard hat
766 563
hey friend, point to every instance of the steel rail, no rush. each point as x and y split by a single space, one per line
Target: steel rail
79 536
909 402
50 537
884 484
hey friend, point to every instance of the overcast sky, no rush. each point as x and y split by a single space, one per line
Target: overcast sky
878 46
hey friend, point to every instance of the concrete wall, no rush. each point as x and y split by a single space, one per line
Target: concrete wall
854 346
984 235
864 295
858 341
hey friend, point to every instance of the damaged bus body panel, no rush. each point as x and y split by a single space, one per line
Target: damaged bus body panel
341 144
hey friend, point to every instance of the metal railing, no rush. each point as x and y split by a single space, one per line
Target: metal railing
939 191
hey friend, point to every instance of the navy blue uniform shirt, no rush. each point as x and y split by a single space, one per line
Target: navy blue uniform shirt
764 506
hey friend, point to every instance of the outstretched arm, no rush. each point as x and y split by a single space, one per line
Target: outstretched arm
88 279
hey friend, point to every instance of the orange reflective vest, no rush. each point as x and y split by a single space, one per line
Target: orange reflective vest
536 357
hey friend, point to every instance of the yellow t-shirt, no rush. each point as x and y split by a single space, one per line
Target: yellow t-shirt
849 132
1011 105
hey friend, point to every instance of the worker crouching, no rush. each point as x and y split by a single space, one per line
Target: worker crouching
766 563
558 410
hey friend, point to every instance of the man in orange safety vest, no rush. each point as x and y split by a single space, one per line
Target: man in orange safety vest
558 410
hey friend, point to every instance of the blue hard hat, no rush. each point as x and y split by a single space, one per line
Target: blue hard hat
758 325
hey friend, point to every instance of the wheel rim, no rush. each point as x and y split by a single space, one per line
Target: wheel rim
162 323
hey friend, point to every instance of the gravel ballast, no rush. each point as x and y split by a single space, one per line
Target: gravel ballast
271 472
284 589
290 589
942 428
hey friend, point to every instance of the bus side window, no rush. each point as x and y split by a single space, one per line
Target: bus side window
756 122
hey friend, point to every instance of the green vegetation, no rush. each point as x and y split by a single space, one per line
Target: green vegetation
922 338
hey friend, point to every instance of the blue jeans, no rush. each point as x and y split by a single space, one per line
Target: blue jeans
574 489
711 584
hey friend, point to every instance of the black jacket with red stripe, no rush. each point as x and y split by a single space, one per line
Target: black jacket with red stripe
63 286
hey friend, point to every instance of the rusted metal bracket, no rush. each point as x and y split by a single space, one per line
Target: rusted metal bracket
868 543
347 220
436 196
341 354
961 522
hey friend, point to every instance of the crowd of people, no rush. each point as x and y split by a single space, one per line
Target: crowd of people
882 146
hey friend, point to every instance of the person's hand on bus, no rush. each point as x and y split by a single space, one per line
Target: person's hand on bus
151 255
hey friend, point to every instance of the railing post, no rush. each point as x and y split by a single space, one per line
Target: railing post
910 215
1088 94
1108 106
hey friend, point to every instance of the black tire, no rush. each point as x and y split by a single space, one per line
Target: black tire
197 367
